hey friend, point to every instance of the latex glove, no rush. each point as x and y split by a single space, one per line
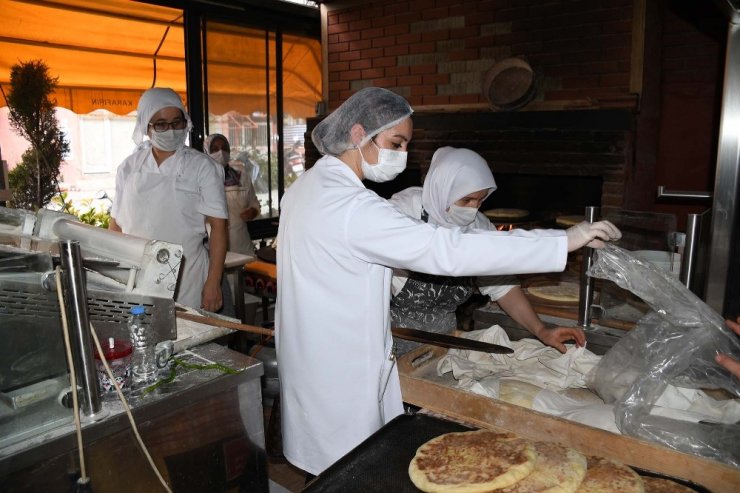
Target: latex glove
591 234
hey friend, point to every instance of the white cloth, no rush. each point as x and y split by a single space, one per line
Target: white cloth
337 243
408 201
170 202
531 362
238 198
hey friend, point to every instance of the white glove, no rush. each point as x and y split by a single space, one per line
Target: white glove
591 234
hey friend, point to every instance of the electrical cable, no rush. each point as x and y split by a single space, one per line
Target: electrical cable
84 481
128 410
72 377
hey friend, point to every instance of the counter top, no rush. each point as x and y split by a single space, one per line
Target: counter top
189 386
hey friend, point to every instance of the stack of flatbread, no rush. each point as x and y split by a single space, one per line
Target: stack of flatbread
485 461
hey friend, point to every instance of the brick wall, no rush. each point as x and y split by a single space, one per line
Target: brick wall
435 52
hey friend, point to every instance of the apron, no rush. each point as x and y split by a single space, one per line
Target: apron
428 302
153 208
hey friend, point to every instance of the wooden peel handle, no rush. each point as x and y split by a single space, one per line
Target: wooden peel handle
225 323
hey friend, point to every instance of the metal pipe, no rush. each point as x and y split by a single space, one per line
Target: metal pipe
79 326
586 293
690 250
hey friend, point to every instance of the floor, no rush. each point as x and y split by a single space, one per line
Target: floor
284 477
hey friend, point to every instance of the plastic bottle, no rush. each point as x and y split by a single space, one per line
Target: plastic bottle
144 361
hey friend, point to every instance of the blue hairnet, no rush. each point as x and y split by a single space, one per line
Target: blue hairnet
375 108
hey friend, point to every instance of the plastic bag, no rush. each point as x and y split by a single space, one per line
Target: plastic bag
674 344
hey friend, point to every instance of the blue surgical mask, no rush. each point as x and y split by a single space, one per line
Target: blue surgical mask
462 216
390 164
169 140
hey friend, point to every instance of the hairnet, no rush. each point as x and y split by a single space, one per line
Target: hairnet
375 108
209 140
152 101
453 174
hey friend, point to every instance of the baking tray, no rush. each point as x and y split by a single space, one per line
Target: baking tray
381 462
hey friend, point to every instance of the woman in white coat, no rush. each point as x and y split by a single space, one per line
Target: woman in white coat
241 198
337 245
458 182
168 191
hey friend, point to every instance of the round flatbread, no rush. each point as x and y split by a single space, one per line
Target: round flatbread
471 462
661 485
555 291
568 221
558 469
506 214
607 476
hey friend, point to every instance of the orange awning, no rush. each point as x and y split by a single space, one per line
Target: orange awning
103 55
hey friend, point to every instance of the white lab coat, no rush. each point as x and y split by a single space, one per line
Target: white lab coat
169 202
337 243
408 201
238 198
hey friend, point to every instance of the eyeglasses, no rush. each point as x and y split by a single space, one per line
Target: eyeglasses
160 127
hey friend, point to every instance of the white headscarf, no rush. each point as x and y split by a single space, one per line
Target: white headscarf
152 101
453 174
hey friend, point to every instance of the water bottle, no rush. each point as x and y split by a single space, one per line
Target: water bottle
144 361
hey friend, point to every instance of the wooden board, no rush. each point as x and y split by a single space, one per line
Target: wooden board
419 389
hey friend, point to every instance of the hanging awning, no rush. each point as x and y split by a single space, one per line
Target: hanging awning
104 56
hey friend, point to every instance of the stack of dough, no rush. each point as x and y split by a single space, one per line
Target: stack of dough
485 461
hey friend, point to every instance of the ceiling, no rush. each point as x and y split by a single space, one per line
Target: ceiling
106 53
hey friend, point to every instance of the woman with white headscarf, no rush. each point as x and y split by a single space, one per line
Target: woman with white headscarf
337 245
167 191
458 182
241 198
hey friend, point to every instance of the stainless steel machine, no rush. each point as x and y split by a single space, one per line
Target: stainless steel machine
120 271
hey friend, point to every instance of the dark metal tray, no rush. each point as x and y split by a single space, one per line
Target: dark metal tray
381 462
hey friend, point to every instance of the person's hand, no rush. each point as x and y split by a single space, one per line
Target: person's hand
727 361
557 336
248 214
591 234
211 297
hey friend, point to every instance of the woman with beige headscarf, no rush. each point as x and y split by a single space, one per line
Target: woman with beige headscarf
167 191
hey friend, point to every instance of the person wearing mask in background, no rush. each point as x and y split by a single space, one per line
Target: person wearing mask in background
457 183
337 245
167 191
725 360
241 199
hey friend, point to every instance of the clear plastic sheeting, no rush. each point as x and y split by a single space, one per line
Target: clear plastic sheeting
675 343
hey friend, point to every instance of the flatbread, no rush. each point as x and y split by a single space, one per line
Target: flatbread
607 476
569 221
661 485
471 462
506 213
555 292
558 469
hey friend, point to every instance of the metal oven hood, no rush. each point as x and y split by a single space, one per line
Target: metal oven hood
723 275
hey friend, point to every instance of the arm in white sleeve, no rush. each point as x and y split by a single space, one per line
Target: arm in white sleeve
496 287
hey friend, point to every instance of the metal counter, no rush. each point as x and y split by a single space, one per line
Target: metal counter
204 430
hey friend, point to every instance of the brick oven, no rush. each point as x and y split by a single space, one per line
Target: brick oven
548 162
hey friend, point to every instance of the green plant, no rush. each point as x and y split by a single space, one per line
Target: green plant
35 180
87 213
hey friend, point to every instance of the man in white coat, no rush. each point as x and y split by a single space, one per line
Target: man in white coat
337 245
167 191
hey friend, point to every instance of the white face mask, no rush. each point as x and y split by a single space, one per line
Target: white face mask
221 157
462 216
169 140
390 165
